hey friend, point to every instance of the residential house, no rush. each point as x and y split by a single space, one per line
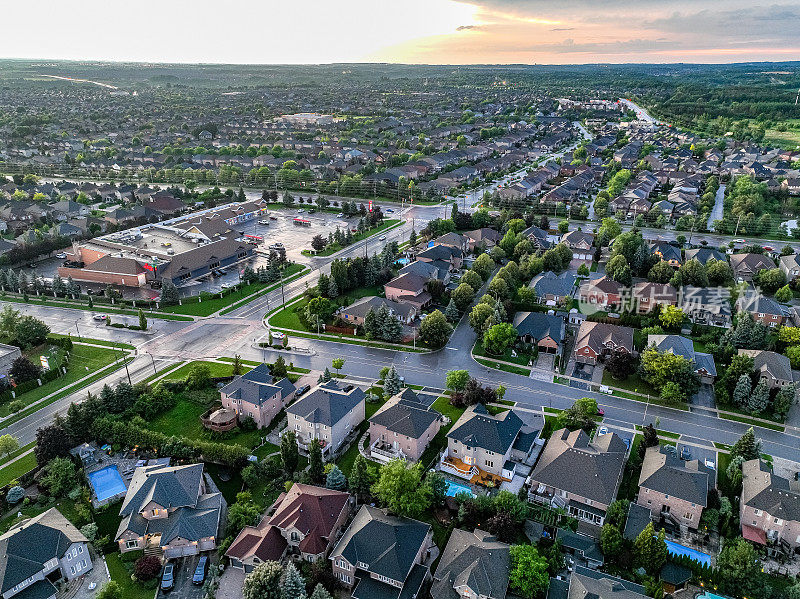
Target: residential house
383 556
706 305
484 239
537 237
746 266
473 564
704 255
604 293
674 489
485 448
169 508
646 296
666 252
596 341
306 521
770 507
256 395
585 583
356 312
790 265
454 256
410 289
771 367
428 271
763 309
552 289
38 551
403 427
546 331
578 474
451 240
580 243
704 364
327 413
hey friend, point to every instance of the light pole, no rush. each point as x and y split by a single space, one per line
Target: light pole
154 362
77 331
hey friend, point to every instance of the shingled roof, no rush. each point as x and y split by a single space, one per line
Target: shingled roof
475 560
665 473
477 428
772 494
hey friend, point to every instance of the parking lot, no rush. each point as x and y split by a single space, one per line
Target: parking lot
281 228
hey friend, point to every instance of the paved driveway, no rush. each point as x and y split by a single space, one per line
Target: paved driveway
184 589
704 397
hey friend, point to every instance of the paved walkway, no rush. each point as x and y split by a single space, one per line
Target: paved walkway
718 210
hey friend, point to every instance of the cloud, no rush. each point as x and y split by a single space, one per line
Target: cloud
562 29
467 27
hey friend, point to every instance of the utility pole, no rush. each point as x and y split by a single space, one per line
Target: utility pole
154 362
738 220
125 363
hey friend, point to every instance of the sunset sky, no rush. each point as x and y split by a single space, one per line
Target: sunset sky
411 31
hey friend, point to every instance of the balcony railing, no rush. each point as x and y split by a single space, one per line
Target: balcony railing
384 452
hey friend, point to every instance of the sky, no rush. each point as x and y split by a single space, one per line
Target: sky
404 31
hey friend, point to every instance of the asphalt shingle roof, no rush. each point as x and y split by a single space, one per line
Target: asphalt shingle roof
478 428
326 404
668 474
475 560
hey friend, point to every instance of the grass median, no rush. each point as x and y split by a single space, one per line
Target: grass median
335 247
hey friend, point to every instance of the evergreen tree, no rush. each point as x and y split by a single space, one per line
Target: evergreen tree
326 376
412 238
316 468
650 550
759 399
333 289
289 452
360 480
142 320
391 384
264 582
370 273
371 324
381 316
392 330
320 592
322 285
336 479
169 293
747 446
741 392
292 584
451 312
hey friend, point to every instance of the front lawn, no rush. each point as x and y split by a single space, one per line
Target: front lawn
17 469
521 358
633 383
119 574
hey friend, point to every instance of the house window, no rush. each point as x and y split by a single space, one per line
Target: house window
345 578
488 463
132 544
757 512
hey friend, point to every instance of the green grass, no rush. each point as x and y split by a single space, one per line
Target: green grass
16 469
521 359
86 340
661 433
345 461
504 367
120 575
100 308
292 273
234 296
217 369
335 247
65 506
444 407
7 458
752 422
633 383
84 361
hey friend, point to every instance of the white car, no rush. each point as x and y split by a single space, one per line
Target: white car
340 215
603 430
100 317
226 286
382 238
61 255
277 336
263 221
300 211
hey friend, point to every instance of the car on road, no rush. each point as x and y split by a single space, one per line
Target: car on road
382 238
769 248
273 218
340 215
300 211
389 210
100 317
263 221
276 246
603 430
278 336
61 255
739 241
168 578
225 286
601 412
302 390
200 571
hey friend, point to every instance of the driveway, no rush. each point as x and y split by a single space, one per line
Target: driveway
704 397
184 589
230 584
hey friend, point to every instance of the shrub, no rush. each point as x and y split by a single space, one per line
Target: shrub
89 531
15 494
147 568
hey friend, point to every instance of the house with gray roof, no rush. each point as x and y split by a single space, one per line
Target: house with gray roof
763 309
552 289
770 507
403 427
546 331
579 474
771 367
169 509
428 271
706 305
327 413
705 367
746 266
485 448
473 564
585 583
704 255
790 265
673 489
381 556
538 237
257 395
357 311
39 551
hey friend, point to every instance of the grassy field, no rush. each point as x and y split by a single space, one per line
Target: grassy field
7 458
65 506
633 383
786 139
84 361
17 469
120 574
288 278
100 308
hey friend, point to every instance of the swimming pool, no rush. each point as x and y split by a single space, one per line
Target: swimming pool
454 488
708 595
107 483
698 556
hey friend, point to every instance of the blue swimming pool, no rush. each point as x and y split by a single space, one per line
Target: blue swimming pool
698 556
708 595
454 488
107 483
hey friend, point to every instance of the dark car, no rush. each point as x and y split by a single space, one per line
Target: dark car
303 389
686 453
200 571
168 578
348 388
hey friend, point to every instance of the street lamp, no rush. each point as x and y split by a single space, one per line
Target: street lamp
154 362
76 330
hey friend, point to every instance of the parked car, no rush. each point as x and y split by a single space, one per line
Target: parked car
603 430
670 449
382 238
61 255
263 221
389 210
340 215
226 286
200 571
100 317
168 578
302 390
686 453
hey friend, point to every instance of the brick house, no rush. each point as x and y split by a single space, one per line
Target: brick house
770 508
763 309
403 427
647 296
381 555
771 367
746 266
255 395
546 331
673 489
604 293
408 288
596 341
